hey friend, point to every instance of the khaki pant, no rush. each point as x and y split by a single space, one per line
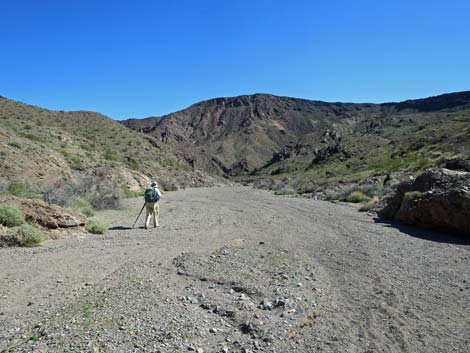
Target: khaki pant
152 210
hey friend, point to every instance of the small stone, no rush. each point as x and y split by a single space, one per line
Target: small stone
299 284
200 350
213 330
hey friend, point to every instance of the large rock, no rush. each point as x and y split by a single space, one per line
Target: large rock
458 164
437 199
48 216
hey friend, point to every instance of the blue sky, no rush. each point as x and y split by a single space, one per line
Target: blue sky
140 58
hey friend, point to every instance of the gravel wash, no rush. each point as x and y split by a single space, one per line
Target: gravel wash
232 269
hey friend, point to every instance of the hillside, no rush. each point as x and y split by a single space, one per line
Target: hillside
302 145
40 146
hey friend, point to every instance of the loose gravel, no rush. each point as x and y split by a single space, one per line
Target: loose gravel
239 270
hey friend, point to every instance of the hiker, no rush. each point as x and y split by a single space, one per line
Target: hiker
152 196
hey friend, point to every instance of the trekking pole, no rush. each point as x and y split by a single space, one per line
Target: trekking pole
138 215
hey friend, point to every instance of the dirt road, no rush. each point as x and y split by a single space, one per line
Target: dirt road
239 270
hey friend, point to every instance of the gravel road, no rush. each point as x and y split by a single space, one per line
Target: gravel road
232 269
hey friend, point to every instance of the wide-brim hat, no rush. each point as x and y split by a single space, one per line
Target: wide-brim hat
154 184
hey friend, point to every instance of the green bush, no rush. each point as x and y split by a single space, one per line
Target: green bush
88 147
23 190
31 136
28 235
83 205
88 211
80 202
412 195
357 196
110 154
15 144
11 216
96 226
369 205
128 194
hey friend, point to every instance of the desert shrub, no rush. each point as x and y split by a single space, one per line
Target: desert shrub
101 192
369 190
90 192
31 136
83 205
357 196
75 162
168 184
131 194
412 195
11 216
110 154
131 164
15 144
27 235
88 147
21 189
96 226
79 202
88 211
369 205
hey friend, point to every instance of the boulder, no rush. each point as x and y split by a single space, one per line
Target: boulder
437 199
458 164
48 216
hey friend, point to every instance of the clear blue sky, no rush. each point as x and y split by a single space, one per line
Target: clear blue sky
140 58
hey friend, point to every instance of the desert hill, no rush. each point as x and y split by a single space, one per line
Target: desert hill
303 144
43 146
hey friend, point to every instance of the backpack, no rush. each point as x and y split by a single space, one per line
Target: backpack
151 195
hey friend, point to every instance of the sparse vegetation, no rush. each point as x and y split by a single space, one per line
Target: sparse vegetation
15 145
369 205
46 147
96 226
128 194
31 136
360 193
91 192
412 195
83 205
27 235
357 197
24 190
11 216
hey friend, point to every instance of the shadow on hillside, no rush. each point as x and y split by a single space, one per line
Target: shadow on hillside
426 234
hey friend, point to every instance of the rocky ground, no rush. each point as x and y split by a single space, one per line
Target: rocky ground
239 270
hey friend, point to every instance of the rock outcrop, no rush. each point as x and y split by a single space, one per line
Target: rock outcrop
47 216
458 164
437 199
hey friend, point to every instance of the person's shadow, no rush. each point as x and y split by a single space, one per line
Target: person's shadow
122 228
426 234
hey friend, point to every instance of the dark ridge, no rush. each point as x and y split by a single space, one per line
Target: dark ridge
441 102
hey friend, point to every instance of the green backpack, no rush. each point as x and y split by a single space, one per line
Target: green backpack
151 195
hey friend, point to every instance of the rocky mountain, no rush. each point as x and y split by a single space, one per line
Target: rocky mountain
41 146
301 143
